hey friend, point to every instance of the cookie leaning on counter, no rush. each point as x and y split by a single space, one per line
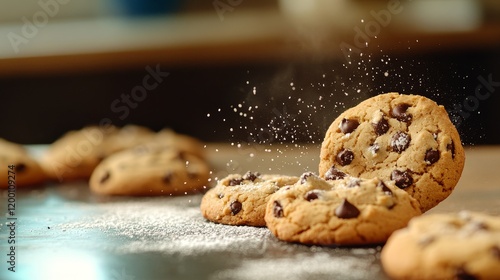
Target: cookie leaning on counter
408 139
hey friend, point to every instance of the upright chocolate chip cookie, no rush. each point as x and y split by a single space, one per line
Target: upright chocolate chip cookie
18 167
408 139
242 199
464 245
348 211
143 171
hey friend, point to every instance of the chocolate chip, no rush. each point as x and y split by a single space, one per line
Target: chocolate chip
277 209
479 225
311 195
462 274
354 183
21 167
303 178
251 176
192 174
334 174
167 178
220 196
402 179
384 188
495 251
105 177
346 210
235 207
235 181
348 125
381 127
345 157
399 112
400 141
181 156
451 147
432 156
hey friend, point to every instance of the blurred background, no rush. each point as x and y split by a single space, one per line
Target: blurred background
241 70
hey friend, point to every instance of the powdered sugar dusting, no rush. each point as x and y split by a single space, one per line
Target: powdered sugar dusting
154 226
401 140
320 265
175 227
374 149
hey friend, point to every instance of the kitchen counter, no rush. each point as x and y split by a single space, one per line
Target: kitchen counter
65 232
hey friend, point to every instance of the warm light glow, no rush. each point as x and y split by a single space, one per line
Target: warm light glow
66 264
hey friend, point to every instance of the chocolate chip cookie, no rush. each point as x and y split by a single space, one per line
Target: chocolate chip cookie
408 139
464 245
241 199
24 169
76 154
168 138
146 170
347 211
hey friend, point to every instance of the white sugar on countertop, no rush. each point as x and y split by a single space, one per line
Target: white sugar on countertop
175 227
321 265
160 226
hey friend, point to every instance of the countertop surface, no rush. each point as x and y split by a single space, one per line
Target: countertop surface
65 232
